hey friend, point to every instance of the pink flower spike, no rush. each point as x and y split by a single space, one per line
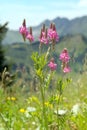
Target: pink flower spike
30 37
52 34
67 69
52 65
64 56
44 40
43 37
23 30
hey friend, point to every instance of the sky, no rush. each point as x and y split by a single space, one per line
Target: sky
36 11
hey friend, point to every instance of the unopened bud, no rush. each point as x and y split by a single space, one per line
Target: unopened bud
51 25
46 33
65 50
54 27
31 30
43 29
41 33
24 23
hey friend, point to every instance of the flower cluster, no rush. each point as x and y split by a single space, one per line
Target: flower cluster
49 35
43 36
25 33
52 65
65 58
52 33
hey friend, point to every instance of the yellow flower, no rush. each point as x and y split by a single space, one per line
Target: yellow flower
47 104
22 110
13 98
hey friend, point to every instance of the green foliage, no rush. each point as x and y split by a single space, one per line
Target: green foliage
39 63
18 111
2 58
76 45
3 31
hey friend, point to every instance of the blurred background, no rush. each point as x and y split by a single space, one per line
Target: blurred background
70 18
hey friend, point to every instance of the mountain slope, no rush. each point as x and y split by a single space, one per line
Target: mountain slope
20 53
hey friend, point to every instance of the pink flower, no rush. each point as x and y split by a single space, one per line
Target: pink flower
64 56
23 30
52 34
30 37
49 35
67 69
44 40
43 36
25 33
52 65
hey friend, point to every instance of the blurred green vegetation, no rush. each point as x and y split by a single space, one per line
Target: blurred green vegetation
19 54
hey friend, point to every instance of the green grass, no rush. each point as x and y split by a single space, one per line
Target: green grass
74 93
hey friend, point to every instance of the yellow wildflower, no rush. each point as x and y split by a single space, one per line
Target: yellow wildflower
13 98
47 104
22 110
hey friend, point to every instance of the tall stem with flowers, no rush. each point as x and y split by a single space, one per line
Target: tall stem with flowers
47 37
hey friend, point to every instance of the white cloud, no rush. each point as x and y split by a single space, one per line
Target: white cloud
82 3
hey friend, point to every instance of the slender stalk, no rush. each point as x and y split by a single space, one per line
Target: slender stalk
58 109
42 88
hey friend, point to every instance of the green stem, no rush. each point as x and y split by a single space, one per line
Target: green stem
58 109
43 104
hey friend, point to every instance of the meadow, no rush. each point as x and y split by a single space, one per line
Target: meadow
48 99
22 107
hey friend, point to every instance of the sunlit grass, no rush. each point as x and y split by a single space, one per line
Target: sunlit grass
20 109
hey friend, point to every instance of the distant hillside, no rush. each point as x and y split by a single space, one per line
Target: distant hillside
64 27
20 53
